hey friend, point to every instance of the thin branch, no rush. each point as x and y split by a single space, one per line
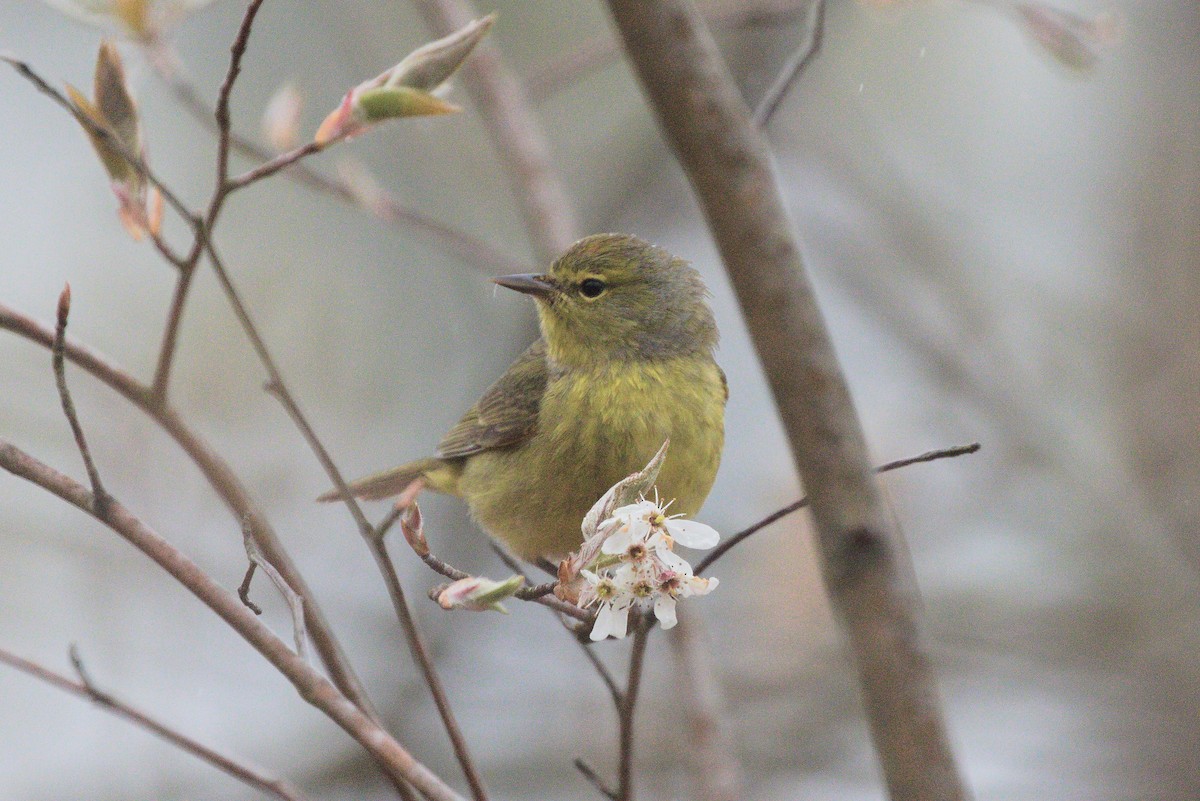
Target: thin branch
395 760
383 205
272 166
606 676
708 125
294 600
220 477
594 779
170 339
104 134
629 698
85 688
533 594
928 456
68 405
814 27
236 51
517 136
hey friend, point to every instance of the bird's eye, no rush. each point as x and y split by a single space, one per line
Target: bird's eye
591 287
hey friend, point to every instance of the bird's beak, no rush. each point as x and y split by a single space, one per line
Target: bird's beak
540 286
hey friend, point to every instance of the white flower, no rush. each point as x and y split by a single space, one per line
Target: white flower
628 525
675 580
646 571
614 594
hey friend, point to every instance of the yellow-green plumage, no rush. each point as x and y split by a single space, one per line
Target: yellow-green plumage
591 402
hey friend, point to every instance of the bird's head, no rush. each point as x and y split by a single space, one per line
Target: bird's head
613 297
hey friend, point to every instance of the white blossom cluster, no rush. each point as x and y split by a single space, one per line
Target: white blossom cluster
637 564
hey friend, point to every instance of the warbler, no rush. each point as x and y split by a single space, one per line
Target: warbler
624 362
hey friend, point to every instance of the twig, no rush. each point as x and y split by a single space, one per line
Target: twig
396 761
170 339
724 155
272 166
535 594
244 588
202 229
220 477
518 138
99 496
86 688
594 778
719 775
236 51
928 456
629 698
614 692
814 26
294 600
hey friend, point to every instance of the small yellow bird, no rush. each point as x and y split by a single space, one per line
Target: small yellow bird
625 361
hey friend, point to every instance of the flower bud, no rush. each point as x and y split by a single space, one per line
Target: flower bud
479 594
408 89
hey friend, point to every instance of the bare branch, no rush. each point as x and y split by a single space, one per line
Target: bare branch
68 405
272 166
928 456
420 652
594 779
637 657
294 600
170 340
518 138
814 26
724 156
312 686
236 51
85 688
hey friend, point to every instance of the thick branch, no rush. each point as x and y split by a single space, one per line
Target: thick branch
709 127
312 686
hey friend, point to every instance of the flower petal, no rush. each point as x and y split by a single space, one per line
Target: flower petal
672 562
664 610
692 534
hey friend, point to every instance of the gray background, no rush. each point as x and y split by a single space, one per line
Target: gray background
1006 251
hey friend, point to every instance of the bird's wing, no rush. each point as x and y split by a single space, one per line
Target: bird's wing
508 411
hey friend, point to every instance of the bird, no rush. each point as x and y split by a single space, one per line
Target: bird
624 362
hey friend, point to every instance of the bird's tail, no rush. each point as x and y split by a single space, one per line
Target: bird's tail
386 483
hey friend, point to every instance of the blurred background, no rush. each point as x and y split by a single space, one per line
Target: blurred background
1007 251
